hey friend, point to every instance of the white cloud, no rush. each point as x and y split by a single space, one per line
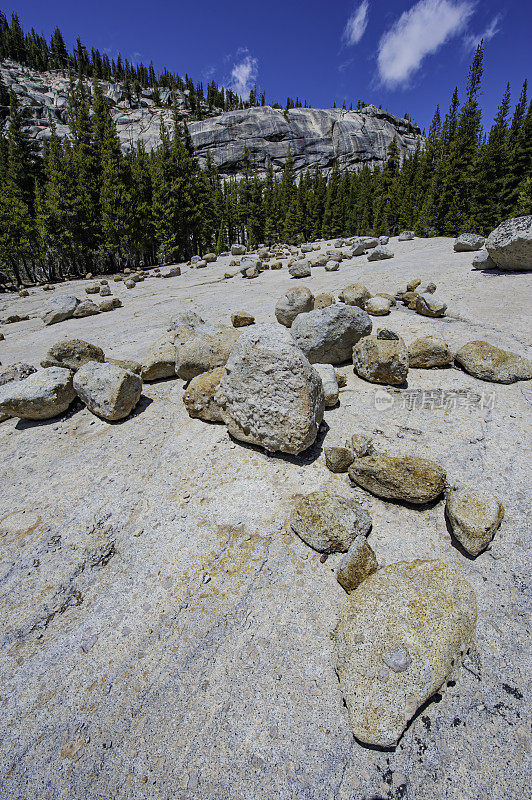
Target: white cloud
493 28
243 75
356 24
416 34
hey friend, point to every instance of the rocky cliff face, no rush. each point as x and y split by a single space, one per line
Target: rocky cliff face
316 137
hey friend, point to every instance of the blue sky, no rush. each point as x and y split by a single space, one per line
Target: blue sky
406 56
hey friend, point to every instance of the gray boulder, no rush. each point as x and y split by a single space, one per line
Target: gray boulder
299 269
467 242
429 306
270 395
474 516
85 309
296 301
406 236
355 294
15 372
490 363
330 384
60 308
510 245
238 250
327 335
381 360
380 253
42 395
483 260
108 390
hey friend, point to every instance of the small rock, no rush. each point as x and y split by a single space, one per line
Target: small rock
430 306
360 445
129 283
270 395
490 363
386 333
378 306
406 236
330 384
322 301
358 563
329 522
429 351
238 250
381 360
160 359
483 260
300 269
109 391
93 288
327 335
172 272
86 309
240 319
407 478
338 459
110 305
355 294
210 258
332 266
199 398
474 517
412 285
380 253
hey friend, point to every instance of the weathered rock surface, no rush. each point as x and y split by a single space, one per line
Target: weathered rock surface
86 309
72 354
109 391
330 384
406 236
300 269
378 306
295 301
467 242
15 372
490 363
200 348
329 522
241 319
199 396
401 634
338 459
358 563
270 394
407 478
483 260
429 351
381 360
327 335
474 516
42 395
510 244
59 308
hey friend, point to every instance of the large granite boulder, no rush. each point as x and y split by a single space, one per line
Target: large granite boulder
59 308
327 335
42 395
468 242
401 635
108 390
295 301
490 363
381 360
510 245
270 395
72 354
202 347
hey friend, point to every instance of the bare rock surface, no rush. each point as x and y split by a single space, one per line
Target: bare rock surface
400 636
172 616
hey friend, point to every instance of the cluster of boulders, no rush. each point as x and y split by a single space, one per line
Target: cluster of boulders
507 247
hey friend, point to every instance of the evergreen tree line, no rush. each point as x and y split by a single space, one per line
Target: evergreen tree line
34 51
84 205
